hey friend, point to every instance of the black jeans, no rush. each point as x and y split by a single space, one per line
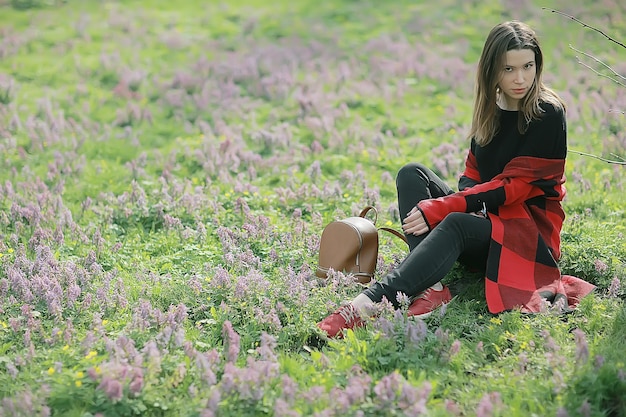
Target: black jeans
460 236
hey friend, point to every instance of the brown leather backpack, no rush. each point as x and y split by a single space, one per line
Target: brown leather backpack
350 246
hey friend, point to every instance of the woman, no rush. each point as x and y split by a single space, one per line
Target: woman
507 216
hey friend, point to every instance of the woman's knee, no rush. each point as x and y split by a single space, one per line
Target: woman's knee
410 172
455 221
466 225
456 218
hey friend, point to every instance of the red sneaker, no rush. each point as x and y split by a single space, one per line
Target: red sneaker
346 317
424 304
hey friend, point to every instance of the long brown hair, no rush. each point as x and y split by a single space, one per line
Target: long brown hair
505 37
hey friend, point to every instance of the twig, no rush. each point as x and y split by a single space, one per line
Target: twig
586 25
618 157
610 161
601 63
599 73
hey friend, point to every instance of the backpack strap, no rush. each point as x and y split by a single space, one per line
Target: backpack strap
367 210
395 233
386 229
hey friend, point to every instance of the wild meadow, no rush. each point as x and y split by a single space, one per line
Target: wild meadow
166 171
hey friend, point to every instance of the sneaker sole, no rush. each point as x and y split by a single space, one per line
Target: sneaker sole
426 315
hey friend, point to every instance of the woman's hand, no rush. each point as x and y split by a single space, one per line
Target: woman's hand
414 223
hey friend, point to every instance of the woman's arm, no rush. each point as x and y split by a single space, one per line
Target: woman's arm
537 171
470 177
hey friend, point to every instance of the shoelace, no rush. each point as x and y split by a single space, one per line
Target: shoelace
349 314
424 294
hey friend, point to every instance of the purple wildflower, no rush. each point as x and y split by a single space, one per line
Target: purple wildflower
403 300
136 385
92 373
454 348
282 409
452 408
341 403
387 389
386 177
559 381
562 412
585 409
415 331
207 413
59 238
522 360
316 147
289 388
442 335
270 318
231 342
598 361
221 278
489 403
313 394
385 326
12 370
314 170
413 400
443 310
87 301
600 266
73 292
152 353
205 362
550 344
112 388
267 347
614 288
582 349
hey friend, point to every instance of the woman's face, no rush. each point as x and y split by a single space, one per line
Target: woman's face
517 77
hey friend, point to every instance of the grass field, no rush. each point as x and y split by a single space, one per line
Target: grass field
166 170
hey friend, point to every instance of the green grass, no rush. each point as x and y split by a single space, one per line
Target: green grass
166 168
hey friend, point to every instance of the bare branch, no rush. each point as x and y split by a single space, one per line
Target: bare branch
615 77
599 73
618 157
610 161
599 62
586 25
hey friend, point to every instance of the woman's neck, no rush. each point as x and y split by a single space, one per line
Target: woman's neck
507 105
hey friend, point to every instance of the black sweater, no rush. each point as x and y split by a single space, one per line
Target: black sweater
545 138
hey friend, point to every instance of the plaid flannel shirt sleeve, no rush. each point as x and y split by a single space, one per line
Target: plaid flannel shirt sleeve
538 171
470 176
489 195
